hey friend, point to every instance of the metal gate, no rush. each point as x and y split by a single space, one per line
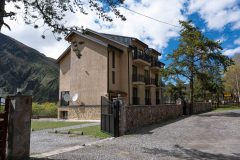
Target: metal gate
110 116
4 110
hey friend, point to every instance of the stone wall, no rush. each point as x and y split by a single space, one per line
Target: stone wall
132 117
81 112
201 107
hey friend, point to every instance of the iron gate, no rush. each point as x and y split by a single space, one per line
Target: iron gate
110 116
4 109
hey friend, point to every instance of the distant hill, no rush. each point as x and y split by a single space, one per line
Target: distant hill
26 68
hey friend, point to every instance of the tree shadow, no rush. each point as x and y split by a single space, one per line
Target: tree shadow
32 158
148 129
189 154
221 114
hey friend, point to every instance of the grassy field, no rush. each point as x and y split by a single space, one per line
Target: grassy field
226 108
92 131
40 125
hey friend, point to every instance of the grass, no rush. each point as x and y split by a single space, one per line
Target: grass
93 131
226 108
40 125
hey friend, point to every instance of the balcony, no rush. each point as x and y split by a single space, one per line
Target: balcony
148 101
138 79
141 59
156 66
150 81
135 100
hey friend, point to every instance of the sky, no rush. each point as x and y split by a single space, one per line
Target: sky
217 19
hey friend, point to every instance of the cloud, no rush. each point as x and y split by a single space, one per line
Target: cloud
222 39
217 13
231 52
156 34
237 41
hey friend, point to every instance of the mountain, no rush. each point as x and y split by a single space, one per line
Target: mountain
26 68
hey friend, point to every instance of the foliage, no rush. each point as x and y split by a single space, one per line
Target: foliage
40 125
197 57
232 78
44 109
174 91
92 131
53 13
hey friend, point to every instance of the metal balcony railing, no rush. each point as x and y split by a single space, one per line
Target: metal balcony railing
157 64
150 81
142 56
137 78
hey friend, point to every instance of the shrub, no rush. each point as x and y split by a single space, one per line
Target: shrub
45 109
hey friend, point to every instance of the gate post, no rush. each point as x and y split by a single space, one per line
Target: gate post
19 127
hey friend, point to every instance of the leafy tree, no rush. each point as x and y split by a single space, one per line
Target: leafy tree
197 57
53 12
232 78
175 91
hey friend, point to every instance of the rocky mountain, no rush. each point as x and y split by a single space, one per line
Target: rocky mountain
26 68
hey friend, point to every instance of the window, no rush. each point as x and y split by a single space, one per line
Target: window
113 59
63 101
146 76
113 77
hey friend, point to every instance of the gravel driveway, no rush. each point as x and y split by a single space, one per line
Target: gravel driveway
209 136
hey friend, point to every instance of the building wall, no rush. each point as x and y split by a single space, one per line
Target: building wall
65 74
81 112
89 73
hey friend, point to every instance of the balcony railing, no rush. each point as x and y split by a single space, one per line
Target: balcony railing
137 78
148 101
135 100
150 81
157 64
142 56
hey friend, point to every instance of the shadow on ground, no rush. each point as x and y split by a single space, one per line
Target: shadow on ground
32 158
148 128
189 154
221 114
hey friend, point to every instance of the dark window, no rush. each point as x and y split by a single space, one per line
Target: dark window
135 96
146 76
113 59
156 80
113 77
63 102
134 70
157 97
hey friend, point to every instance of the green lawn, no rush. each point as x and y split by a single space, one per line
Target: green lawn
226 108
40 125
92 131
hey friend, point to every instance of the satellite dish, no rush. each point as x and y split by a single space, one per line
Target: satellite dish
75 97
66 97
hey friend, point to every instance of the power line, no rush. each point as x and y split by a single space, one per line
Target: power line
150 17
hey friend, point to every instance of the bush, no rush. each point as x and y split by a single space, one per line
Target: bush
45 109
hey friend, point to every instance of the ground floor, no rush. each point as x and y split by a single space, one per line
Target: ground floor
213 135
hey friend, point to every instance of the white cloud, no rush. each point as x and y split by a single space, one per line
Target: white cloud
217 13
231 52
135 26
237 41
222 39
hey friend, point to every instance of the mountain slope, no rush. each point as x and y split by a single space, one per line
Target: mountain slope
26 68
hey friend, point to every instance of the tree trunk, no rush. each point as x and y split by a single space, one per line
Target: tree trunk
191 94
2 12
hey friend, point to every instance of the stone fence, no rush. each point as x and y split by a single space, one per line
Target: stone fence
201 107
133 117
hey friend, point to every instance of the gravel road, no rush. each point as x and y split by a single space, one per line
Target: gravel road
209 136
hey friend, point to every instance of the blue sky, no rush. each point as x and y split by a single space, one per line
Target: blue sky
217 19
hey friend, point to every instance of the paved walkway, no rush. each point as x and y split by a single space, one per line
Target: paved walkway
210 136
44 141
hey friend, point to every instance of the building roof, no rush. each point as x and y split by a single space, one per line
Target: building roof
63 54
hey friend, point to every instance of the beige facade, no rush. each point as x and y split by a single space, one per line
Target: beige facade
99 64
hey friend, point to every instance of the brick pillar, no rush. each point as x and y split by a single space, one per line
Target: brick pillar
19 128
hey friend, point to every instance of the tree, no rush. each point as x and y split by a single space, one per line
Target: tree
53 12
232 78
196 58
